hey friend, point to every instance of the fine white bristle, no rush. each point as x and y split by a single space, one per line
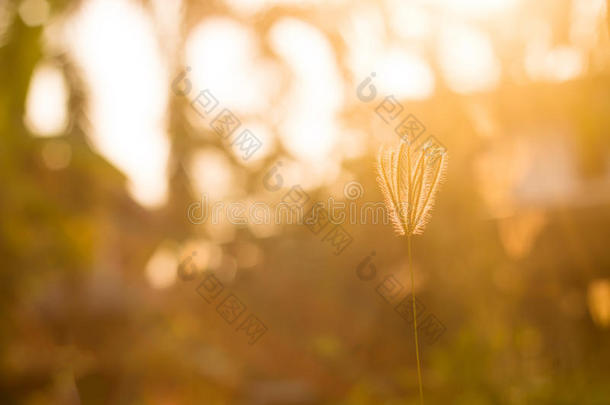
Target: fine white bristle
409 181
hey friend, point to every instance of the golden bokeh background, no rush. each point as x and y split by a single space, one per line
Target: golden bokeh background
103 154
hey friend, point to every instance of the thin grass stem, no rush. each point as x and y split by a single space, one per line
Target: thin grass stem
421 390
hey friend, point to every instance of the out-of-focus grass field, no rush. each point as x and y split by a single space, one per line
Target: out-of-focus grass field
101 157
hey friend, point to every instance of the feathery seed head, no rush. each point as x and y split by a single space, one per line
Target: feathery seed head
409 181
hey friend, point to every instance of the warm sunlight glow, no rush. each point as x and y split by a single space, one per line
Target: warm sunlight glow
267 202
161 268
558 64
128 92
467 59
221 231
34 12
476 8
212 174
253 6
225 59
598 296
168 17
309 127
409 20
404 75
46 103
203 254
587 17
268 141
363 33
400 71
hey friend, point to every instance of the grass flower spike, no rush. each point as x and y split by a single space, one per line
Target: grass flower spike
409 181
